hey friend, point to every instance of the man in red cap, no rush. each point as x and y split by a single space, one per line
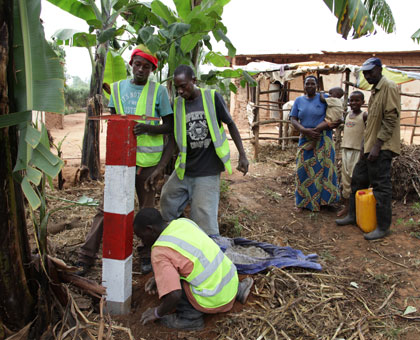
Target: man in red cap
145 53
140 96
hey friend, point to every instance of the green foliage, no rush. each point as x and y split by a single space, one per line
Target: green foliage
176 36
249 215
81 9
59 51
39 74
416 207
76 98
179 34
381 14
72 37
76 95
234 226
115 69
416 36
77 82
33 154
58 146
221 80
39 86
224 189
223 87
415 234
272 195
412 225
327 256
217 59
352 15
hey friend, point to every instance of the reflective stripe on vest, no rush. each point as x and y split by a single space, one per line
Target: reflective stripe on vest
217 133
149 147
115 93
213 283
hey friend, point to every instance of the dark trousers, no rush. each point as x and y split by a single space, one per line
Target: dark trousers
185 310
89 249
378 175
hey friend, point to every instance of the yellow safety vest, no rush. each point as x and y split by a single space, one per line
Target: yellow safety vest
149 147
214 279
217 133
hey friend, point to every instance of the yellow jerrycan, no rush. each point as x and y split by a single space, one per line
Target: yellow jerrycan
366 210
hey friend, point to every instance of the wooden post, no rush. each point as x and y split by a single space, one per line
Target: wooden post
320 81
339 130
256 128
281 103
120 173
413 132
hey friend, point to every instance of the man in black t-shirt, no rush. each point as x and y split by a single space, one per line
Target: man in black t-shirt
202 159
196 179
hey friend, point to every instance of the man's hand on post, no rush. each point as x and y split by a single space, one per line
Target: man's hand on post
140 128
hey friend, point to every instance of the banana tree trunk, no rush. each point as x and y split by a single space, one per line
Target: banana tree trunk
195 53
16 294
91 151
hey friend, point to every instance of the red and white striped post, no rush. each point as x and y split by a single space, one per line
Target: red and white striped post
120 173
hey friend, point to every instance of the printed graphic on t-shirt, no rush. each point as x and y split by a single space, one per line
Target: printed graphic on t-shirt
198 130
350 124
129 101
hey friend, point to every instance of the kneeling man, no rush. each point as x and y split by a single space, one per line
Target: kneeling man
191 274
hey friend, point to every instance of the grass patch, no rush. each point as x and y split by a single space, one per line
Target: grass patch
272 195
327 256
224 189
230 226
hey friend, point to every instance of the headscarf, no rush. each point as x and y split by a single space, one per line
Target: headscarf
145 53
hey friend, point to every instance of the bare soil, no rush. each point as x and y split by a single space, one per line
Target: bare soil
378 279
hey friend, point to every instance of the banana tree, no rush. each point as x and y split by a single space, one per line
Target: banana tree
360 16
180 35
33 80
102 33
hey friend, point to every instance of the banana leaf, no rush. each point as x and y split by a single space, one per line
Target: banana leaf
115 69
39 86
39 74
416 36
351 15
79 9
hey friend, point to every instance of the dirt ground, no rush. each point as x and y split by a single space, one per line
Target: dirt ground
362 291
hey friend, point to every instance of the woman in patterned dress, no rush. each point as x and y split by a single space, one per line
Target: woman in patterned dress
316 173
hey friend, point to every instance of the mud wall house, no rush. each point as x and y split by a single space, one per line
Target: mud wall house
404 60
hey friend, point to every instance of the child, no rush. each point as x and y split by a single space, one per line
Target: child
334 110
354 127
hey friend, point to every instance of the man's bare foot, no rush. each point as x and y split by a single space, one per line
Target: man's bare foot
298 209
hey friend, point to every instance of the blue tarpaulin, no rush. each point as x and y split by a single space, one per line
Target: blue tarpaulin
274 255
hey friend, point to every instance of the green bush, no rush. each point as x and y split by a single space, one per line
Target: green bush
75 99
